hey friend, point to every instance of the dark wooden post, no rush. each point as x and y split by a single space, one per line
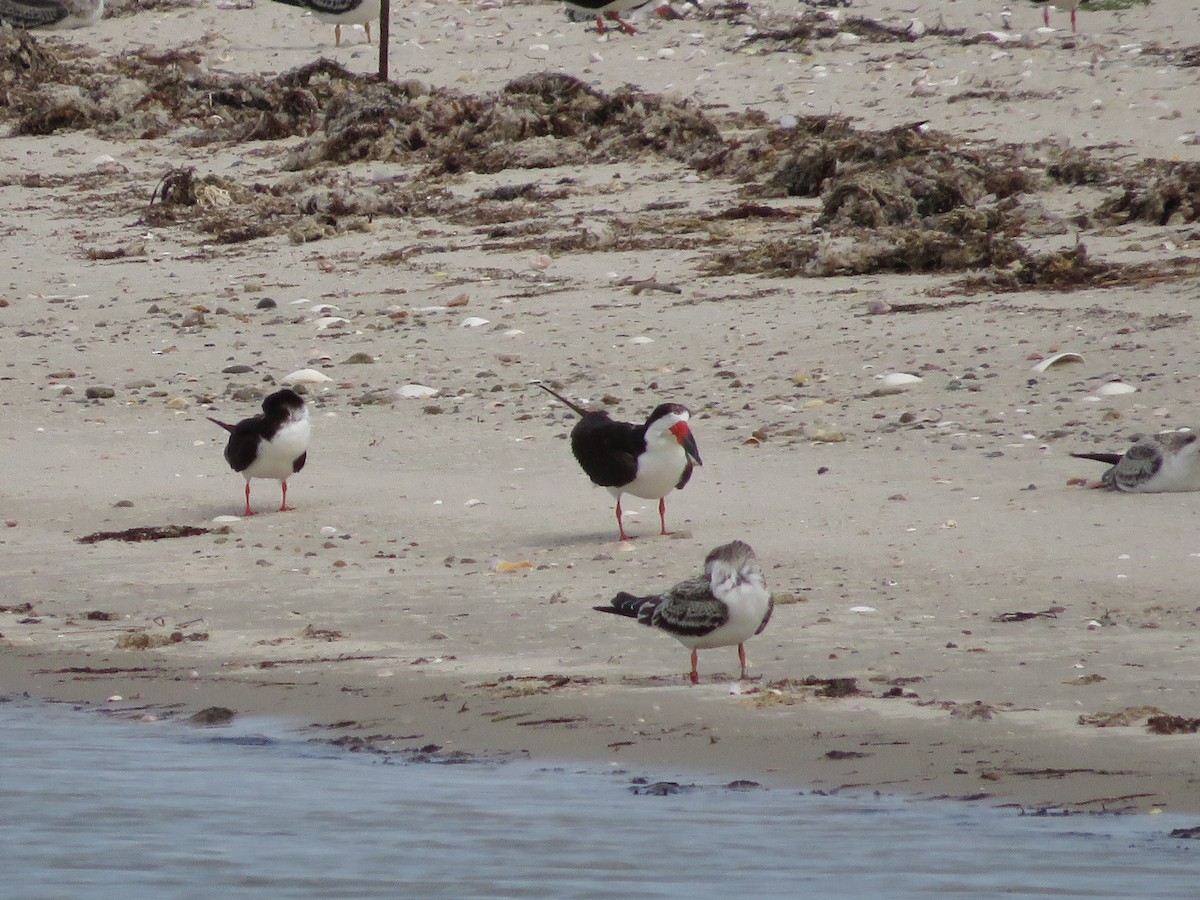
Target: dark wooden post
385 20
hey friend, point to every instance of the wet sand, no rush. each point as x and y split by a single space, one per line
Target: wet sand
897 529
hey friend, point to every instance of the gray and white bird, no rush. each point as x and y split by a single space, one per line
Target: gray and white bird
339 12
727 605
273 444
51 13
1155 464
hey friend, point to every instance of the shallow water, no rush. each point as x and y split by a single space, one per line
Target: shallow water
96 808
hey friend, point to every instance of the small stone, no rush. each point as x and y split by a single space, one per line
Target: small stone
97 392
178 403
123 504
359 359
265 303
239 369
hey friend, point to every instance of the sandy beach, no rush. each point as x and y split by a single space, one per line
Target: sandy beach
757 211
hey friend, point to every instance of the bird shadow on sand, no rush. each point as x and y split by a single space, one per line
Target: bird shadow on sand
603 540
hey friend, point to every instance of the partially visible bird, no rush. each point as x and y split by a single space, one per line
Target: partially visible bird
648 460
339 13
1071 5
51 13
1156 463
612 9
273 444
727 605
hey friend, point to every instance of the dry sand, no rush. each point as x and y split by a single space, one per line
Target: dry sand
901 526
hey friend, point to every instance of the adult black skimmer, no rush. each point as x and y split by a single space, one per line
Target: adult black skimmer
51 13
648 460
1155 464
727 605
339 13
273 444
612 9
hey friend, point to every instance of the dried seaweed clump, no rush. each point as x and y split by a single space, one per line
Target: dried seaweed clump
1170 197
1064 270
535 121
820 149
22 57
218 206
902 191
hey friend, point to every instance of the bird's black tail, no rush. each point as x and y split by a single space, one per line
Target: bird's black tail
556 395
1108 458
625 604
227 427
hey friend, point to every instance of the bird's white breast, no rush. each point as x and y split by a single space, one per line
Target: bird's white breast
276 456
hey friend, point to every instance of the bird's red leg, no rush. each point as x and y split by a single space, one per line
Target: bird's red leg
662 513
742 660
1046 14
283 507
695 676
625 26
1073 19
600 29
249 511
620 523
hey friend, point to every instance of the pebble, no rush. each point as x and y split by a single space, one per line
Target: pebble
99 393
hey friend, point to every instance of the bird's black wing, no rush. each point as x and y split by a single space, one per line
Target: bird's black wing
242 448
607 451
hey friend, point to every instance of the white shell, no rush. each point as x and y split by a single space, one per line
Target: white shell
1057 359
306 376
1114 389
416 392
895 382
641 339
472 322
331 322
225 520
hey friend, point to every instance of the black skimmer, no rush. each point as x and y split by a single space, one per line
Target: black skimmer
612 9
727 605
273 444
51 13
1155 464
648 460
339 13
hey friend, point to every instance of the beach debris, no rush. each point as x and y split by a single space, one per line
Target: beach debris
1169 724
144 533
1051 613
1122 718
1057 359
504 565
472 322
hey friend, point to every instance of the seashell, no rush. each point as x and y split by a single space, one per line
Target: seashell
324 309
641 339
331 322
1115 389
226 520
1056 360
472 322
305 376
506 566
895 383
416 392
